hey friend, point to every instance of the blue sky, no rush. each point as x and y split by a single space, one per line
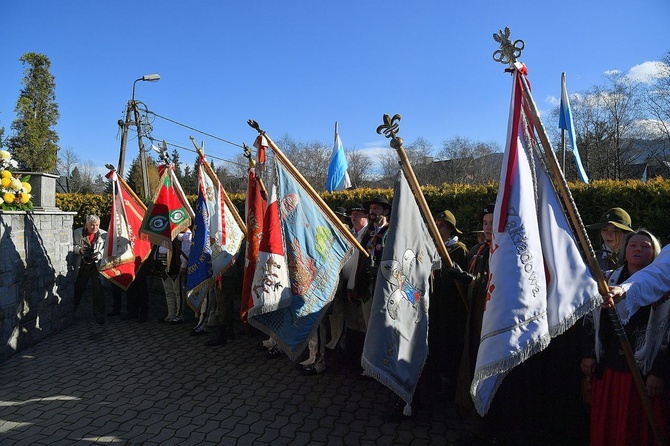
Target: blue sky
298 66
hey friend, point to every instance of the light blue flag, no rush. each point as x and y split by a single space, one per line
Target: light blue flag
338 177
565 123
315 251
396 344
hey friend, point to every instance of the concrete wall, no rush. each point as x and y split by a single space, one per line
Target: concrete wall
36 281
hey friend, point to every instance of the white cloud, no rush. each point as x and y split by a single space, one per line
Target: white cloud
646 72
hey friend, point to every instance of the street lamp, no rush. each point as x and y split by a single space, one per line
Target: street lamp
131 108
146 78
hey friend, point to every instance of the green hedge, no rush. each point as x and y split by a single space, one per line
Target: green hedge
647 203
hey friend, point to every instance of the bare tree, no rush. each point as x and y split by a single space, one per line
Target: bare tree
466 161
310 158
66 161
360 166
657 102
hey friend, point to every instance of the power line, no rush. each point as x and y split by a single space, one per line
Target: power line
158 140
194 129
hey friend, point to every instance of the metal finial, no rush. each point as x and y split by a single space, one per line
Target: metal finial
247 151
509 51
110 167
254 125
390 129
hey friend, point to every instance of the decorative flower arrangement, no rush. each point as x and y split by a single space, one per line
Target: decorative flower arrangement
14 191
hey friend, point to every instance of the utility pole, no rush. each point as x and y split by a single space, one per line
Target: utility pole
131 107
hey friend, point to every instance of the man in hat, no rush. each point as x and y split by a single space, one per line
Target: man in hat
316 362
447 314
614 225
360 293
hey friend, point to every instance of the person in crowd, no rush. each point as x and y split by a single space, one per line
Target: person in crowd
228 285
613 225
316 361
89 245
646 287
447 314
173 264
617 412
479 268
362 290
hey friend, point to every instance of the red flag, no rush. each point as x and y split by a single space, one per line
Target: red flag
124 250
255 210
169 212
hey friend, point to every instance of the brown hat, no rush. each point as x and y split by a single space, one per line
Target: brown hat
448 216
616 216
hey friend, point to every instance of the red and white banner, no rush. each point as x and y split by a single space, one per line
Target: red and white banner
532 251
124 249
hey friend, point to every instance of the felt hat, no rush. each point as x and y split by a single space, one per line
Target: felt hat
377 200
616 216
488 209
448 216
340 211
356 207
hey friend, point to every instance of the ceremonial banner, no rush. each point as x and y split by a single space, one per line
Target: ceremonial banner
338 177
290 295
396 344
533 250
254 211
169 213
217 236
565 123
124 249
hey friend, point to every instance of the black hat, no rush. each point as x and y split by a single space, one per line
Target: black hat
377 200
488 209
448 216
356 207
342 212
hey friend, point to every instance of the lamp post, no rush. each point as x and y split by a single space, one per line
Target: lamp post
132 110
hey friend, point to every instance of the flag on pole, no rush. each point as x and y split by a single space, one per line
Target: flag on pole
217 236
300 256
124 249
532 251
254 211
565 123
338 177
396 344
169 213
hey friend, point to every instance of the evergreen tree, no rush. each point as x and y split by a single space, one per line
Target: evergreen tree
35 142
177 166
75 180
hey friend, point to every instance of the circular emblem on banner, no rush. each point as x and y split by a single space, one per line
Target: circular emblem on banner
177 216
158 223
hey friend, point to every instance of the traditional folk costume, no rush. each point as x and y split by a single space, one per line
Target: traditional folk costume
617 414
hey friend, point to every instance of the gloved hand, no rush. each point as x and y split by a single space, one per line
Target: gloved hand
456 273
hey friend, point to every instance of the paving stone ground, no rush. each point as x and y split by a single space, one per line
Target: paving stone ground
134 383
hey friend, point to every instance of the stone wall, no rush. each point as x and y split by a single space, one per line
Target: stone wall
36 281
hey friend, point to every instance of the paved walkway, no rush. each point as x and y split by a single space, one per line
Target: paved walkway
131 383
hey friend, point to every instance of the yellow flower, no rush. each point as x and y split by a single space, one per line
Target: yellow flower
8 197
5 182
5 155
25 198
27 186
16 184
5 174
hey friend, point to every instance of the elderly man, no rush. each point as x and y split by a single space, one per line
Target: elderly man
89 245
